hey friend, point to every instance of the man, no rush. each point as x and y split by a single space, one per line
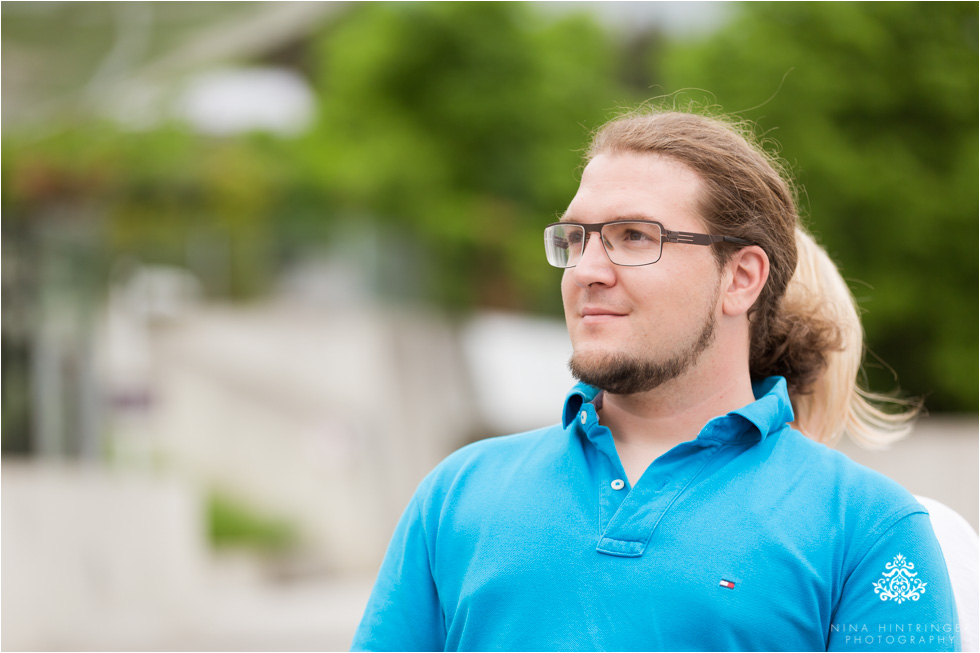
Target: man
674 507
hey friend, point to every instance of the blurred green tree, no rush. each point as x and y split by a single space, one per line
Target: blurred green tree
449 133
462 123
455 127
454 130
875 106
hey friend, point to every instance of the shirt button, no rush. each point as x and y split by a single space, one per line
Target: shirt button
585 416
617 484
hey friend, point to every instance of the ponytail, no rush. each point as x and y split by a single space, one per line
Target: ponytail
831 402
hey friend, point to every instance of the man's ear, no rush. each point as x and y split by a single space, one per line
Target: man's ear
746 274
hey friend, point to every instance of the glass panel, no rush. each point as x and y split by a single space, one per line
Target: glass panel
562 244
632 243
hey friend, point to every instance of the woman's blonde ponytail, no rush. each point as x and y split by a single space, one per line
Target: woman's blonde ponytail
834 403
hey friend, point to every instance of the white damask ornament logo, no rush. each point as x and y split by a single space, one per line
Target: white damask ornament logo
899 583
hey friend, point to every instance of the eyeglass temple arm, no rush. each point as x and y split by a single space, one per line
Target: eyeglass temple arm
688 238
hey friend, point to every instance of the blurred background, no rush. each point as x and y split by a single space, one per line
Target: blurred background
265 264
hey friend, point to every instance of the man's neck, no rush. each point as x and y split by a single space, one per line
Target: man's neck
646 425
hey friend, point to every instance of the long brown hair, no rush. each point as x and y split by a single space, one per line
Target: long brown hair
797 332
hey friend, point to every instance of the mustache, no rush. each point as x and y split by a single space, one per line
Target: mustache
600 299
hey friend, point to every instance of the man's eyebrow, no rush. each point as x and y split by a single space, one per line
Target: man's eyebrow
564 217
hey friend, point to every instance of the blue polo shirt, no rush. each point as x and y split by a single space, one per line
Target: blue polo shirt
748 537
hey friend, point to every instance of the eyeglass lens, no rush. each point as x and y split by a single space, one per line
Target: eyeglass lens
626 243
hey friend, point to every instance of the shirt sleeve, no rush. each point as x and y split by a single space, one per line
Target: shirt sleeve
898 597
403 612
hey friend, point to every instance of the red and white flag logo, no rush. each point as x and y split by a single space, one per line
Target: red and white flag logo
727 583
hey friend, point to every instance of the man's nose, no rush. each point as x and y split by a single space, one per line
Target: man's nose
594 266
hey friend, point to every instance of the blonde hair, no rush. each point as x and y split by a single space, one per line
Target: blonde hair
835 403
804 325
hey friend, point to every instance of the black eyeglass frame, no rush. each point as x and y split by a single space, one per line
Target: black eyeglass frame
669 236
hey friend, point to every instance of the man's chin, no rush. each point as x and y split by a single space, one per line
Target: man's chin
620 374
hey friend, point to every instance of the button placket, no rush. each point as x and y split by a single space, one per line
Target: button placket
612 492
611 477
628 529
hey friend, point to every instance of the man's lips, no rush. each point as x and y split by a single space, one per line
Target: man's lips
596 314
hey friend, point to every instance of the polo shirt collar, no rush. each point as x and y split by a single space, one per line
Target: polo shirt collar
770 411
772 408
580 395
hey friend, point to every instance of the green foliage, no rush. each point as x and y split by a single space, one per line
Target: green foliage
455 126
875 106
452 132
234 524
153 193
461 121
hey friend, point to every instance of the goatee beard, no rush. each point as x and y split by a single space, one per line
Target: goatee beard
626 374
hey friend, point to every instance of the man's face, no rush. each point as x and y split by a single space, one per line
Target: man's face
634 328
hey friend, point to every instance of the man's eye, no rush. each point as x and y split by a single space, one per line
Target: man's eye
636 236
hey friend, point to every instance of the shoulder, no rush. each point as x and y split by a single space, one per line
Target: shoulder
489 462
865 501
829 466
505 450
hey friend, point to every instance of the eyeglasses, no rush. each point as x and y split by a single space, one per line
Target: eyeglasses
627 242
